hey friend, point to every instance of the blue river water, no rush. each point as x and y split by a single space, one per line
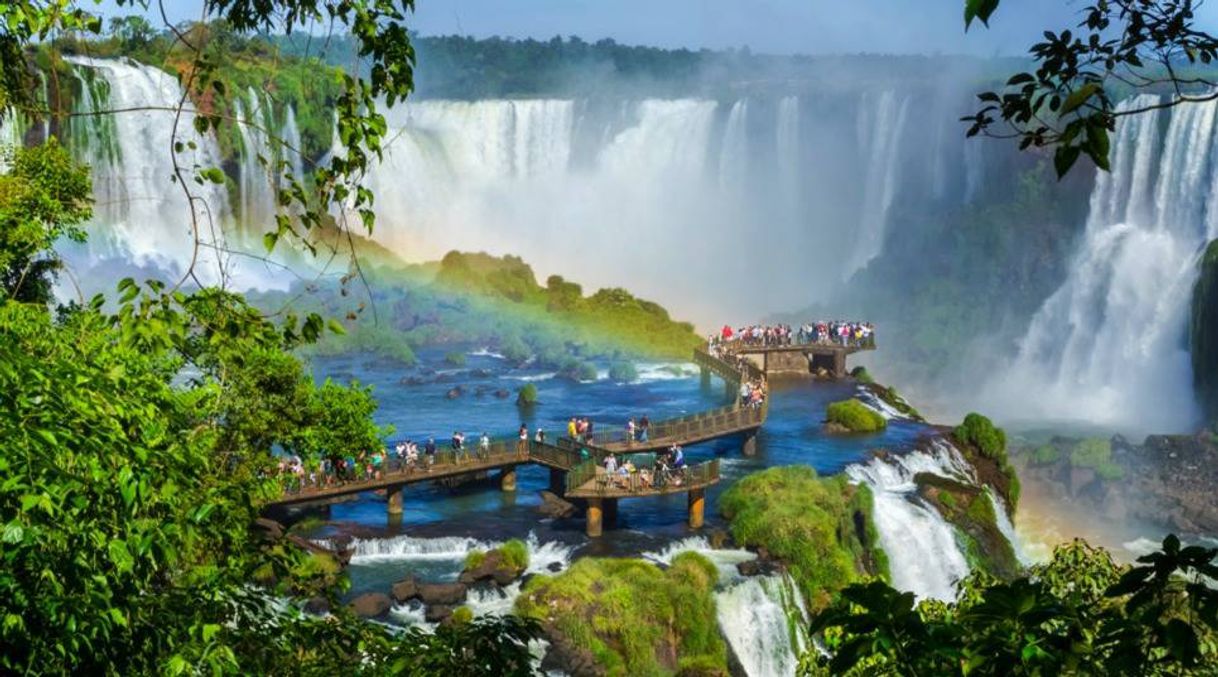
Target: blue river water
415 401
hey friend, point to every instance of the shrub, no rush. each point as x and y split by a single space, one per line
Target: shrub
1046 454
474 559
456 359
981 433
808 522
623 372
861 375
513 349
462 615
1092 452
527 395
515 554
855 416
586 371
631 616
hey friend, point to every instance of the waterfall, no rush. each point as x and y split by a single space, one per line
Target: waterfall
1109 345
292 144
724 559
765 622
410 547
923 554
734 156
881 126
139 213
258 176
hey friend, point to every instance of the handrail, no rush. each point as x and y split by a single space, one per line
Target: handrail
593 479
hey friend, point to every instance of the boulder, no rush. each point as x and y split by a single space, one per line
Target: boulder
317 605
835 428
554 567
437 613
719 539
405 590
1080 478
502 394
553 506
268 529
446 594
371 605
455 393
492 568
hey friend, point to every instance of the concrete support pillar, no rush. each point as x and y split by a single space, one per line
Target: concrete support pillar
558 481
394 502
594 518
611 512
749 447
697 507
839 364
507 479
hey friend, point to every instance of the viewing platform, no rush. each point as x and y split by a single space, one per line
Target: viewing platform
798 358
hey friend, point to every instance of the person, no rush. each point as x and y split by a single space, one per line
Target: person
430 451
645 478
540 437
623 475
745 391
581 428
611 464
678 456
644 426
412 455
484 446
522 444
572 429
458 445
630 431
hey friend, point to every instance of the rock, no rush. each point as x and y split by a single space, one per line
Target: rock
1080 478
455 393
834 428
412 381
268 529
719 539
553 506
442 593
554 567
750 568
481 373
502 394
317 605
493 568
405 590
437 613
371 605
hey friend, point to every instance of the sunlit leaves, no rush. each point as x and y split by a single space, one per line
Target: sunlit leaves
1066 102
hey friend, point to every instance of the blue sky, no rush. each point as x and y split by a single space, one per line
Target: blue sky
771 26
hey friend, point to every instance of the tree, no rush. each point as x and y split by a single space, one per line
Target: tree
1121 47
44 196
134 31
137 442
1080 613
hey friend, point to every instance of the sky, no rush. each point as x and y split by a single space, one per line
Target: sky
768 26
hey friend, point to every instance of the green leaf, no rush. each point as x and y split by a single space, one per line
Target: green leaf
1064 158
120 556
213 174
1079 97
978 9
269 240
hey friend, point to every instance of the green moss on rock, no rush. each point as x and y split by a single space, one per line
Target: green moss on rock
820 527
629 617
854 416
985 446
971 510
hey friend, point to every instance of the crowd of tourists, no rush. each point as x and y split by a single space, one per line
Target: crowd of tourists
753 393
832 332
668 470
582 430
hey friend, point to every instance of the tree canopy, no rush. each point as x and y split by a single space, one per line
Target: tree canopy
1119 47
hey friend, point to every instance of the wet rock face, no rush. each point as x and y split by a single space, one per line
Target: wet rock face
1169 480
1203 333
445 594
553 506
493 567
371 605
405 590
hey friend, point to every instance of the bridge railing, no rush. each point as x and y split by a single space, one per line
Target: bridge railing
643 480
554 455
866 343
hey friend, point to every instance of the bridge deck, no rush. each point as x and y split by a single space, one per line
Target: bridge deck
567 454
447 464
599 484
